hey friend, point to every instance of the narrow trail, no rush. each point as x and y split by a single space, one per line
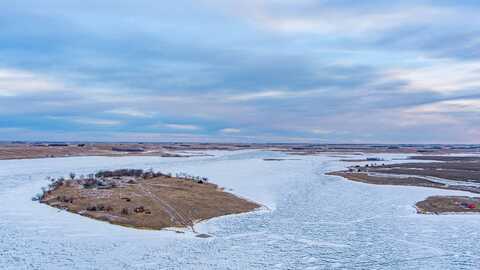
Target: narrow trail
170 210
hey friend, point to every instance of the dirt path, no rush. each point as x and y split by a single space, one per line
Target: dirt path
170 210
147 203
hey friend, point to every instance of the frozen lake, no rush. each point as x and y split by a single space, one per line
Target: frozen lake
314 222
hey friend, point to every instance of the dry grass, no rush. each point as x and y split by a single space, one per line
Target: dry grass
384 180
153 203
29 151
454 168
448 204
404 181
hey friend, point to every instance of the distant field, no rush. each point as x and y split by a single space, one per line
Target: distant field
25 150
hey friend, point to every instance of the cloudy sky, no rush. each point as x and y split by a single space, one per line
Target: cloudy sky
249 71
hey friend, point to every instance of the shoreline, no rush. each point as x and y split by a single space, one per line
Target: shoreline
451 173
367 179
445 205
30 150
144 200
429 209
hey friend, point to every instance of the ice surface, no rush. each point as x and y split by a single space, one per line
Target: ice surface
314 221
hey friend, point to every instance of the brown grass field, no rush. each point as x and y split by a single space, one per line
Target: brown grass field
148 203
448 204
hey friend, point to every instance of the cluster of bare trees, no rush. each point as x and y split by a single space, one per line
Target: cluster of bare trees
54 183
88 182
148 174
186 176
120 173
100 179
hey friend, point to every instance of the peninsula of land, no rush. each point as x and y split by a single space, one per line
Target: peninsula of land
442 172
448 205
143 199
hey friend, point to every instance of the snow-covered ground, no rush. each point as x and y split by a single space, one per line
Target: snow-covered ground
314 221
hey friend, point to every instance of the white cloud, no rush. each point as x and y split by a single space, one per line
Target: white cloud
130 112
320 131
230 130
182 126
125 96
410 119
257 95
273 94
437 113
88 120
449 106
95 121
344 23
444 77
310 16
15 82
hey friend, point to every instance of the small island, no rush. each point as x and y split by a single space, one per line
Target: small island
143 199
448 205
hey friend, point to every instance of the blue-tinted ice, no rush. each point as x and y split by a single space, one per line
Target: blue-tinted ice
314 222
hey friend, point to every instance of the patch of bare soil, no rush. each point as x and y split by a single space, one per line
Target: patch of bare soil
448 204
451 168
463 170
51 150
400 181
385 180
447 158
315 149
144 199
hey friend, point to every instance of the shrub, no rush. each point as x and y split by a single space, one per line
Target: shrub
90 183
119 173
139 209
125 211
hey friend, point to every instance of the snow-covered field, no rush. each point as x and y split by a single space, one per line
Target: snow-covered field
314 221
